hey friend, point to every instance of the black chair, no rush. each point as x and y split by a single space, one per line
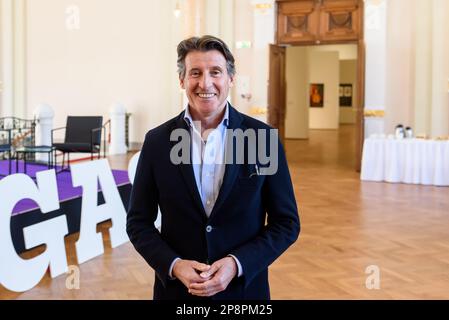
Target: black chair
5 146
82 135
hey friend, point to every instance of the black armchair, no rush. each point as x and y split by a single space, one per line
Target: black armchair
82 135
5 146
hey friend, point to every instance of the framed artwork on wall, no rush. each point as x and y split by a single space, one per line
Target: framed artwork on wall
345 93
316 95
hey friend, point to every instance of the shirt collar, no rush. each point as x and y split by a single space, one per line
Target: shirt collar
225 121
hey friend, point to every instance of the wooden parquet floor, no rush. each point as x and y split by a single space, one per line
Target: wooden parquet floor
347 225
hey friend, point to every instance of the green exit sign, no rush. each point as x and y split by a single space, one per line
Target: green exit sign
243 44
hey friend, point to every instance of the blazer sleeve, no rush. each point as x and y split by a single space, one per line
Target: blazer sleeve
282 227
142 213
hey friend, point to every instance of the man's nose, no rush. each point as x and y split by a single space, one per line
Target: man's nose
205 81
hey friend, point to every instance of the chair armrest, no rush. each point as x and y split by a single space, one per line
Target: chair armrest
103 127
92 135
56 129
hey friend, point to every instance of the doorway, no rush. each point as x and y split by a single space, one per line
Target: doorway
302 23
321 89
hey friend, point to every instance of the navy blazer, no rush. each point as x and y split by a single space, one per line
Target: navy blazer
255 217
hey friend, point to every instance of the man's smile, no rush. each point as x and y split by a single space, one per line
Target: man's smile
206 95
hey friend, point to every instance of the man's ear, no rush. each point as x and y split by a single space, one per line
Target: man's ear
181 82
231 81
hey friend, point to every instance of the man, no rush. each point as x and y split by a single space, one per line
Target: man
223 222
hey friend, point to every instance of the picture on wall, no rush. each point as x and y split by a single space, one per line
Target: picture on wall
316 95
345 93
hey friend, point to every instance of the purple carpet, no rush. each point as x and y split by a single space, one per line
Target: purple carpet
66 190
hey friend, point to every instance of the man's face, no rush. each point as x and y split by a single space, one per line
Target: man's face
206 82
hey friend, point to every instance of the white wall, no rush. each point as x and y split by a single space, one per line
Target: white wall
375 56
348 74
258 27
345 51
324 68
297 77
300 73
399 64
417 68
440 69
243 32
121 53
423 68
6 68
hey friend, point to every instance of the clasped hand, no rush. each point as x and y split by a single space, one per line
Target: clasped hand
205 280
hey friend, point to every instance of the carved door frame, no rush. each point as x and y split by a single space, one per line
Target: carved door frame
309 22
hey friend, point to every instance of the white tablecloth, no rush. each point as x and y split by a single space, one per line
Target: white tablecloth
415 161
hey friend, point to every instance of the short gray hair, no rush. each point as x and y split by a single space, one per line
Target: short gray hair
205 43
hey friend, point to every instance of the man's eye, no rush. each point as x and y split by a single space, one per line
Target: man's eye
215 73
194 74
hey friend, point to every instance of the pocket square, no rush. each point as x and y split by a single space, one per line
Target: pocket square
256 172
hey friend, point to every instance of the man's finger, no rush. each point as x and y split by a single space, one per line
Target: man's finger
202 293
204 289
207 273
200 266
202 286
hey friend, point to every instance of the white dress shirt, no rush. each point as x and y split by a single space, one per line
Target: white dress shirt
208 162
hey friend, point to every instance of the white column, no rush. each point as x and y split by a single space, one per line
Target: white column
211 23
177 36
227 22
12 28
440 70
6 29
194 18
400 83
375 65
19 40
219 20
118 115
263 34
423 67
45 115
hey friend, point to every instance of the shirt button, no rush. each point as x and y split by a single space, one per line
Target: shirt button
208 202
208 229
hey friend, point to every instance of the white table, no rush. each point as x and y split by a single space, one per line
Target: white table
415 161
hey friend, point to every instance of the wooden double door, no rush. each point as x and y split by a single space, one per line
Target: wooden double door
314 22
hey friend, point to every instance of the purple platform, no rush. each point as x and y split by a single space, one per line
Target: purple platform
66 190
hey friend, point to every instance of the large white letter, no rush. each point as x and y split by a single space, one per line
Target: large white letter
88 175
18 274
132 167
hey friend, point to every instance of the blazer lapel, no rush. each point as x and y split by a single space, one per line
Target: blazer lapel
232 169
187 169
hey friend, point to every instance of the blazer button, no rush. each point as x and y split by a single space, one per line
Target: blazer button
208 229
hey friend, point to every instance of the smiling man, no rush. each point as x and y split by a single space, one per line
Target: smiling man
223 223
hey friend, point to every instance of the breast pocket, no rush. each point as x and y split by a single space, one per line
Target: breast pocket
249 177
247 182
